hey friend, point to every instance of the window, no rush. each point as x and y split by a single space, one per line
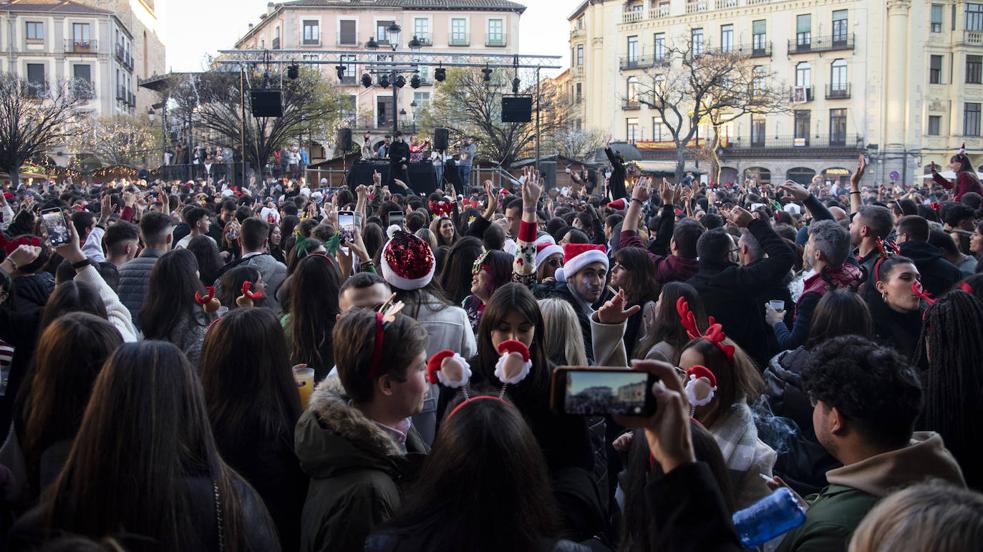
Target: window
347 35
81 33
459 31
935 70
496 32
659 130
726 38
82 75
579 96
758 82
974 69
312 32
382 31
36 80
837 127
660 46
934 125
974 17
349 109
803 31
759 35
696 41
632 49
936 18
802 119
348 61
837 76
421 30
35 30
971 119
803 74
631 130
757 130
840 27
632 88
580 55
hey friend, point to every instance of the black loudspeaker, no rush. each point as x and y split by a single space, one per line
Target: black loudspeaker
547 169
344 139
266 103
516 109
440 139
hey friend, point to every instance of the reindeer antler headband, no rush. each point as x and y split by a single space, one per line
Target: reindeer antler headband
714 334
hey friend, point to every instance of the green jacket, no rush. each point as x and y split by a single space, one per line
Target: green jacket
356 471
854 490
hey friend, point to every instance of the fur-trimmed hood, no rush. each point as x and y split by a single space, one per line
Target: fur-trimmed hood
332 436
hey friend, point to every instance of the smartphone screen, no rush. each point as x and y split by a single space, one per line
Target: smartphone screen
396 217
346 220
591 392
56 226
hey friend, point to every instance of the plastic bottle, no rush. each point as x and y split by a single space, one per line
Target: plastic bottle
770 517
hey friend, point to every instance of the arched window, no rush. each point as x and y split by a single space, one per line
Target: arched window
801 175
632 89
760 174
837 76
803 74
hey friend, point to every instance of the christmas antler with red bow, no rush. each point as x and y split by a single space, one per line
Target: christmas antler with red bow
714 334
248 296
208 302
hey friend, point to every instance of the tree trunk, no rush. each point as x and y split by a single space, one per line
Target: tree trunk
680 161
14 175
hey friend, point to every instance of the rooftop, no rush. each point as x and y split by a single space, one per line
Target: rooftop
444 5
52 6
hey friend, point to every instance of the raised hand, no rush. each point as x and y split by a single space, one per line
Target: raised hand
614 312
640 190
531 192
740 217
666 192
796 190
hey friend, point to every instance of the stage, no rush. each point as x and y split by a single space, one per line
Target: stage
422 178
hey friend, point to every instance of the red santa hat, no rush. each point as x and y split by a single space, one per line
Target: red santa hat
576 256
618 204
545 249
407 262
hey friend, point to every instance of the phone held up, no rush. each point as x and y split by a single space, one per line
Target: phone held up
346 220
56 226
601 391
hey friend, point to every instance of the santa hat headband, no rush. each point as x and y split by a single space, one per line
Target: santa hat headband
545 250
407 262
576 257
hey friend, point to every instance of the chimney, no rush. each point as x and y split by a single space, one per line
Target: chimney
269 8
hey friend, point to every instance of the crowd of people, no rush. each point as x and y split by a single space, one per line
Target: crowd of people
208 367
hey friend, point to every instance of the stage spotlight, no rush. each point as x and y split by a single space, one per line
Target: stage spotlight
293 71
384 81
400 81
515 85
366 80
487 72
341 71
415 81
440 74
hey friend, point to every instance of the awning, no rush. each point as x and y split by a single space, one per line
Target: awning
665 166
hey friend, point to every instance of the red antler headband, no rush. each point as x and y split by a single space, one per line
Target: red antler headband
209 303
248 296
966 287
386 314
714 334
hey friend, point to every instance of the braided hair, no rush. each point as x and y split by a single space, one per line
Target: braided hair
949 349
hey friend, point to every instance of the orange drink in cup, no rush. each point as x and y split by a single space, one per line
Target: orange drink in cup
304 377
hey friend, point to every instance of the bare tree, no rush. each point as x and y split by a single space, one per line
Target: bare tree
34 119
712 87
213 100
470 106
122 140
579 144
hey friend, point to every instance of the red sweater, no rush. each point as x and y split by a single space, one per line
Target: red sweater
965 182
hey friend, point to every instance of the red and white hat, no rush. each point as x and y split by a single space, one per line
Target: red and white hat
407 262
576 256
546 247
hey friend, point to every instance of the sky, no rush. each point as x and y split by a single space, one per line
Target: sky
196 28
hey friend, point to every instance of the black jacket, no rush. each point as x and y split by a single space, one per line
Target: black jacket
398 151
616 184
895 329
938 274
729 291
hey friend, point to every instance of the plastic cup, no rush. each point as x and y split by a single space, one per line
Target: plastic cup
304 377
777 304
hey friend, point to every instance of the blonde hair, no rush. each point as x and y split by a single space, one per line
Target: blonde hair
933 516
563 337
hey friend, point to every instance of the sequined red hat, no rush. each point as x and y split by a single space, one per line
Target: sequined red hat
407 262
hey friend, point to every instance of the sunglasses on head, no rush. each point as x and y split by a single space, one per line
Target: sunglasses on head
479 263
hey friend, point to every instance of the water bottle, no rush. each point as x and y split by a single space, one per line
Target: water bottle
770 517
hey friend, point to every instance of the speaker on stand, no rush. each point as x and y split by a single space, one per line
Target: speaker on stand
344 143
441 137
266 103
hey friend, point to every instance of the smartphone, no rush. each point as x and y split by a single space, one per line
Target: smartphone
56 226
346 222
396 217
601 391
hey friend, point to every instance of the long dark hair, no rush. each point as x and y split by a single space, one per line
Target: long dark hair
313 311
668 327
57 391
247 380
737 378
641 285
455 278
126 470
499 265
965 165
950 347
506 299
206 253
72 296
486 464
839 312
171 295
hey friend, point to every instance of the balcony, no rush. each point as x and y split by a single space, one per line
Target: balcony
73 46
636 62
727 4
974 38
495 41
630 105
124 57
276 43
801 94
120 94
632 16
697 6
840 92
425 39
822 44
761 50
578 71
772 145
131 100
36 90
577 33
459 40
